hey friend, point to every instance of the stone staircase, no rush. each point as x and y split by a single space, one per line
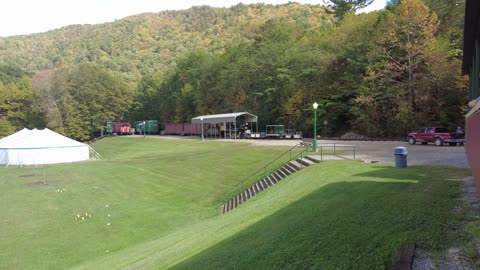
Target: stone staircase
270 180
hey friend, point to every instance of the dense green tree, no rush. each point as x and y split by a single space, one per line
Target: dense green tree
15 105
80 100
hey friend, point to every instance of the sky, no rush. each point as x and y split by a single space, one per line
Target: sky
21 17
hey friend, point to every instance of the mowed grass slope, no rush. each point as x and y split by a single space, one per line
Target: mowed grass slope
356 217
335 215
149 187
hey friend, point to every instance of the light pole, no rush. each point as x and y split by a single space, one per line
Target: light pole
315 144
144 130
201 120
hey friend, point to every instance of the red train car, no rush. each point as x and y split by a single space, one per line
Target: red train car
183 129
121 128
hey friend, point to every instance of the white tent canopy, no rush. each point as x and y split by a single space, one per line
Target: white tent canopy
35 147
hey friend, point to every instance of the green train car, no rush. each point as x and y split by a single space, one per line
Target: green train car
146 127
109 128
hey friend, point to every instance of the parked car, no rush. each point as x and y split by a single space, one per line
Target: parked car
437 135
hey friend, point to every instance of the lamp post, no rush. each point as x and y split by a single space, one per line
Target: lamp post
201 120
144 130
315 144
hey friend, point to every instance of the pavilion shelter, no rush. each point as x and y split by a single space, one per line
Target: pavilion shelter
227 125
37 147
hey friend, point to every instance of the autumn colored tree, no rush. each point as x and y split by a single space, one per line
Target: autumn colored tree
403 78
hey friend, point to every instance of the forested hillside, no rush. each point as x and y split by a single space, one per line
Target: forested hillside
380 74
148 43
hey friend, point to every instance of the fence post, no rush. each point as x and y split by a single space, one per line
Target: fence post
301 159
354 152
334 153
321 153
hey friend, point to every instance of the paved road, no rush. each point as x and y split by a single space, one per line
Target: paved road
382 151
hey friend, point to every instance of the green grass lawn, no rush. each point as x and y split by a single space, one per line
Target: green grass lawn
161 193
152 187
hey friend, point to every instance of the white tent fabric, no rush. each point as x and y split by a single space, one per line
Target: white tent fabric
35 147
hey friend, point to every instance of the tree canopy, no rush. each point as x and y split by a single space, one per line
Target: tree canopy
381 74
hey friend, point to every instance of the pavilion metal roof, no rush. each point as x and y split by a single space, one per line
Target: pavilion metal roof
224 118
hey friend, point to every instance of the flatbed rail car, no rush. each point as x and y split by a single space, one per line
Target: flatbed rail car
275 131
293 134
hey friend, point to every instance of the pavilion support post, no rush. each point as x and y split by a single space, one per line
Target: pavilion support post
477 68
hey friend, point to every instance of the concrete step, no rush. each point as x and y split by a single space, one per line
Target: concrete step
266 183
290 167
306 162
270 180
281 173
315 159
285 170
259 187
275 177
260 183
230 205
239 200
295 164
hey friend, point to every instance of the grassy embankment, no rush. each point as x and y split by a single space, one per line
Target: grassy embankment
160 194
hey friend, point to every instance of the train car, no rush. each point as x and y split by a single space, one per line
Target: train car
121 128
109 127
145 127
275 131
182 129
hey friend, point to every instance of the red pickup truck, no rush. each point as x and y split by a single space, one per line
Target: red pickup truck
437 135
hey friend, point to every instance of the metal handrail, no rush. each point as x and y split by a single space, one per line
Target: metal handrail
337 147
241 183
